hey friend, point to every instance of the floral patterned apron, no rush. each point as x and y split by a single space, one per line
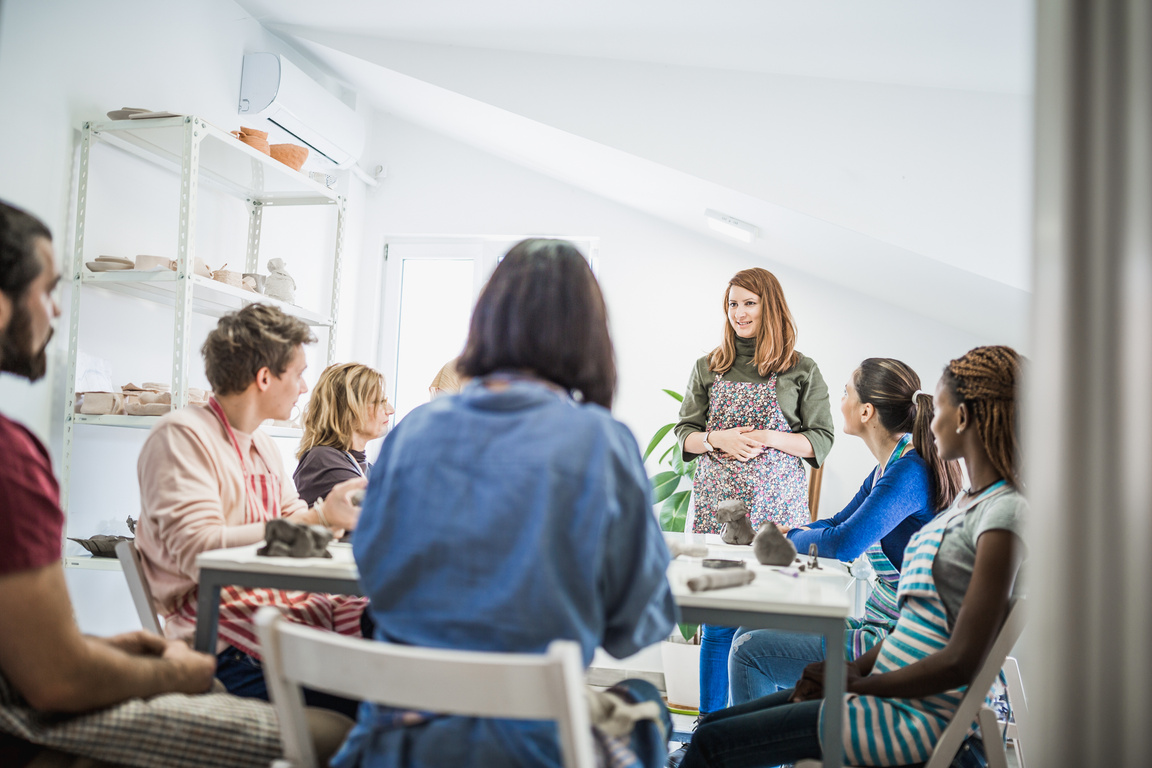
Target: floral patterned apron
773 485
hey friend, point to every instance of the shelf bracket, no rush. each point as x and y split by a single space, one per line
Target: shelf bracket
255 223
341 216
74 317
185 259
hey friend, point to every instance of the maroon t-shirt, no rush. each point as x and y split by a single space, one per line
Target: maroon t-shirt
31 522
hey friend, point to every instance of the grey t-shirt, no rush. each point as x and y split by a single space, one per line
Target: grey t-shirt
952 569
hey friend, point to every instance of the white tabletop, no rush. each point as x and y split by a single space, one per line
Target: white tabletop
812 592
245 560
775 589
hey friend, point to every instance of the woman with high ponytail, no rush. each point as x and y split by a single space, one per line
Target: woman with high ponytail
884 406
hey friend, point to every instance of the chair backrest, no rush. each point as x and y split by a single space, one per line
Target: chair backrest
974 697
815 480
525 686
138 586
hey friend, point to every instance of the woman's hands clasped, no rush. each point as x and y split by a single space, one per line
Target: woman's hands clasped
737 443
811 684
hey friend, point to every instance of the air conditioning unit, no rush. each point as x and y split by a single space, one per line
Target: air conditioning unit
274 88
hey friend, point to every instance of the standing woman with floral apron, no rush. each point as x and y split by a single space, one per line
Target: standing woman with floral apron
755 410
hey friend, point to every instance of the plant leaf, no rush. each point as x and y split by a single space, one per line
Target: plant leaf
664 485
656 439
675 395
681 467
688 631
671 448
674 513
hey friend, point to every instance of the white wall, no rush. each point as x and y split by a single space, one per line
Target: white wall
912 166
664 286
64 63
61 64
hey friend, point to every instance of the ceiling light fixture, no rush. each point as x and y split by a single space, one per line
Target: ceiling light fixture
733 227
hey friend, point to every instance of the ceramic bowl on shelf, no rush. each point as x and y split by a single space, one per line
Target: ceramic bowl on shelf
291 155
106 266
146 262
125 113
116 260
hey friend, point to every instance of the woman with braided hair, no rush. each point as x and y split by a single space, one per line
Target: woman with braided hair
957 583
884 406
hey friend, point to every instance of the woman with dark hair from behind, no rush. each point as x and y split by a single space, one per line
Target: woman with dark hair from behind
884 406
512 514
959 578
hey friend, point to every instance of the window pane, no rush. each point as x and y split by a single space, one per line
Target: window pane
435 306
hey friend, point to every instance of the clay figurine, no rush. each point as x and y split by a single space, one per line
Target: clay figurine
772 547
735 527
286 539
279 284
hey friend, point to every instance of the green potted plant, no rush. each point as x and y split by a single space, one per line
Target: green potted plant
681 652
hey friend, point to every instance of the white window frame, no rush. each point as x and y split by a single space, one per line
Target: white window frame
484 250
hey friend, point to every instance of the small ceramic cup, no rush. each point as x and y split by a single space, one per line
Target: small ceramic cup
258 279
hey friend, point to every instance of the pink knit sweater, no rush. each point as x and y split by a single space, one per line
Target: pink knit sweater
192 500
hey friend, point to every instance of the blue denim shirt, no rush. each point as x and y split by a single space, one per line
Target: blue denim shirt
502 520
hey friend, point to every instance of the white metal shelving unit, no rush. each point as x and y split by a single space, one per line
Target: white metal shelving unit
199 154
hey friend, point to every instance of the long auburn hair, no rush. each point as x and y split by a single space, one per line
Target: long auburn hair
339 406
987 380
893 389
776 336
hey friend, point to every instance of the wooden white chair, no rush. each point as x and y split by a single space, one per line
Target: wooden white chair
138 586
1014 731
527 686
972 704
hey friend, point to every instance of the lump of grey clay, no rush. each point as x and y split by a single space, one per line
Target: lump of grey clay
735 526
287 539
772 547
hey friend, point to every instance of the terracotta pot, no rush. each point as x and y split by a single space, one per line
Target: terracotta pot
291 155
251 139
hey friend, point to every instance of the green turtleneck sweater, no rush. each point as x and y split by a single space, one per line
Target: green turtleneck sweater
800 391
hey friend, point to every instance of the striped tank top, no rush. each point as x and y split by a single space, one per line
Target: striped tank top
882 731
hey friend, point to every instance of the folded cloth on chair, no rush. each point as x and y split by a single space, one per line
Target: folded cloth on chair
173 730
614 715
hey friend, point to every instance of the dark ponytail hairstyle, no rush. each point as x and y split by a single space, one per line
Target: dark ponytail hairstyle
893 389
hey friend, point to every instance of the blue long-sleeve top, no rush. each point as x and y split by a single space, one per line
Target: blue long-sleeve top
889 511
500 521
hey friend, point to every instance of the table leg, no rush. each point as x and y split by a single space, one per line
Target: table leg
831 741
207 613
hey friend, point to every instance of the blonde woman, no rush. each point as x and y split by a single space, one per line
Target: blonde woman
347 409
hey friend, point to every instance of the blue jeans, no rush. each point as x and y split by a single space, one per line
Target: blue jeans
764 661
767 731
715 645
243 675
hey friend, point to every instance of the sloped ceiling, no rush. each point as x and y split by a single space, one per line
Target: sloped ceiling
884 146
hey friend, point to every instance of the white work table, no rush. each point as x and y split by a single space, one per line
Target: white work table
779 598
